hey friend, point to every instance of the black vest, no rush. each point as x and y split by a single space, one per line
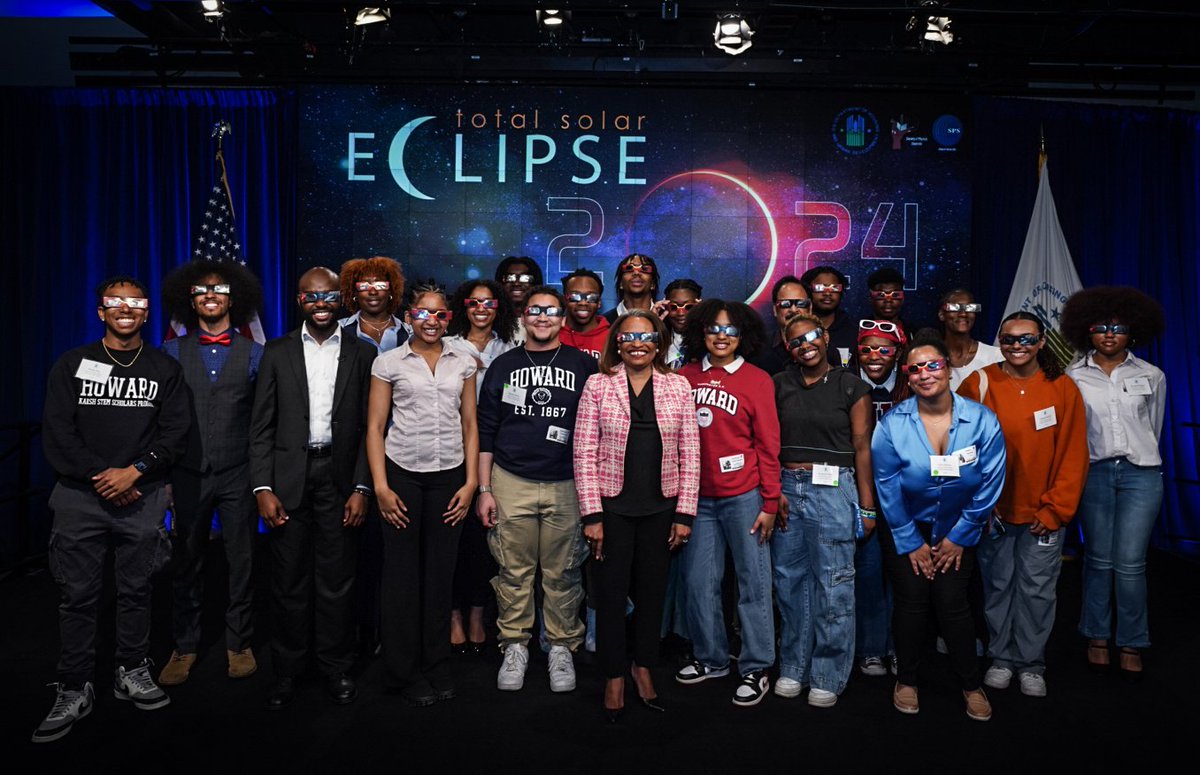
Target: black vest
219 438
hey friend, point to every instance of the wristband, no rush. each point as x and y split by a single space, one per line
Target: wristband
364 491
484 488
868 513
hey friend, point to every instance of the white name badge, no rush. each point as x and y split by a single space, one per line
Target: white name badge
557 434
513 395
1048 539
732 463
93 371
943 465
844 354
825 475
1138 386
1045 418
966 455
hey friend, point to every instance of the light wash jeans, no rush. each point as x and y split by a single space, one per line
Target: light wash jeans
1119 508
814 580
725 523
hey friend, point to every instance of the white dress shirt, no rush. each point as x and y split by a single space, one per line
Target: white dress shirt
985 355
495 347
321 365
1124 409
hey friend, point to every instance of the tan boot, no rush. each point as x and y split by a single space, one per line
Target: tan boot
978 707
905 699
241 663
177 668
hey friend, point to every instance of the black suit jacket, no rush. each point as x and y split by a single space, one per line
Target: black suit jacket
279 425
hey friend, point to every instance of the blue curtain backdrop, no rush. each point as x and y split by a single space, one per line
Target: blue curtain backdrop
100 182
1126 182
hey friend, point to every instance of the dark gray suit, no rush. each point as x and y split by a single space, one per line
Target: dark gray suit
312 549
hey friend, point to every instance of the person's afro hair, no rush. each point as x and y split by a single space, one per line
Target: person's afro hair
245 290
1141 312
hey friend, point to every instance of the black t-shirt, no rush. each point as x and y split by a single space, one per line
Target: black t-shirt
642 495
774 359
814 420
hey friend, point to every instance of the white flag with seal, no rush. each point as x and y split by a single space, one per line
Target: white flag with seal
1046 276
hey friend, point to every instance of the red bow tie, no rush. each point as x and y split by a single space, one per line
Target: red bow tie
222 339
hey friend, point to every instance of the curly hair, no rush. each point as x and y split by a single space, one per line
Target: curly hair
610 357
1140 311
752 335
655 278
1050 366
505 322
381 267
245 290
534 268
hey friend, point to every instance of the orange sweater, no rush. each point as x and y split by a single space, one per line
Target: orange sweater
1046 469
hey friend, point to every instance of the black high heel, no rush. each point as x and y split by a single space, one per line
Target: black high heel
649 703
613 715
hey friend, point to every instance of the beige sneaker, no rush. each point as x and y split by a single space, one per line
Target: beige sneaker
177 668
904 698
241 663
978 707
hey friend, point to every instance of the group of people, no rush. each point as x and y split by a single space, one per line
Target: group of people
594 475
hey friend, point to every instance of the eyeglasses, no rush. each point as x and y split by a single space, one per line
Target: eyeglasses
473 303
1113 328
685 306
517 278
960 307
420 313
808 338
204 290
717 330
886 326
583 298
934 365
867 349
1025 340
373 285
632 268
827 287
312 297
638 336
887 295
535 310
796 303
133 302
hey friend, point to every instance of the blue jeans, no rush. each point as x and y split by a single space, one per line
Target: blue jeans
721 523
872 600
814 580
1119 507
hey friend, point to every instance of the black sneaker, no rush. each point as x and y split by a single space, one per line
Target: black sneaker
696 671
752 688
70 705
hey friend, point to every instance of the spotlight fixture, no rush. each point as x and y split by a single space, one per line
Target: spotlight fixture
212 9
371 15
937 28
551 18
732 34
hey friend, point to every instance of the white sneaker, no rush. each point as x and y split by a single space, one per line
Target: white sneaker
562 669
512 670
137 685
788 687
70 705
997 677
1033 685
872 666
820 698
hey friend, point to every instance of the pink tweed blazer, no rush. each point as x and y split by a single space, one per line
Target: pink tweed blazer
602 428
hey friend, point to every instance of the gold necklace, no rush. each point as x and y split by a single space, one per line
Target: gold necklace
377 329
1021 381
114 360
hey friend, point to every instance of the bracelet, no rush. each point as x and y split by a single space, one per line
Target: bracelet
868 513
484 488
364 491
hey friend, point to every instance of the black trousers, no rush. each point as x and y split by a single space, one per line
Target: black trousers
636 559
916 598
476 566
418 577
196 495
312 579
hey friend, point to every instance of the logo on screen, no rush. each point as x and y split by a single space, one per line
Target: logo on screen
855 131
947 130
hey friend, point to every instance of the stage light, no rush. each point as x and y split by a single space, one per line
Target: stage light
372 15
732 34
213 9
937 28
551 18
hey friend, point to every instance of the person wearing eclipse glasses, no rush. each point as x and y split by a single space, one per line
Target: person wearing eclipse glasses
637 285
213 299
886 290
679 298
957 313
1045 432
584 328
517 275
116 419
372 290
527 497
789 298
1125 398
826 287
637 462
825 422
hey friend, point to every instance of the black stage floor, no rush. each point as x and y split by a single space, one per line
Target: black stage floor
1095 723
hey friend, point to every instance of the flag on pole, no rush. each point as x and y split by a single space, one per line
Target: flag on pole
217 239
1046 276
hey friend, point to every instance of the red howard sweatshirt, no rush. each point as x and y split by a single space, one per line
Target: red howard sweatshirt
739 431
591 343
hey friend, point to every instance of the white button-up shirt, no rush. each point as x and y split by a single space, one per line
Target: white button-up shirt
321 365
1122 420
494 348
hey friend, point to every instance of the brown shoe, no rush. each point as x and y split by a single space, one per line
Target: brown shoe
1131 663
177 668
978 707
1097 655
905 698
241 663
